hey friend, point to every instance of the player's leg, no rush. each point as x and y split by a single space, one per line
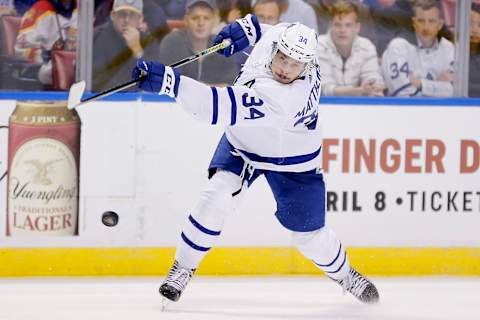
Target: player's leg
201 231
205 222
300 201
327 252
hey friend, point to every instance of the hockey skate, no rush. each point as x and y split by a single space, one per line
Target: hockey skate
359 286
175 282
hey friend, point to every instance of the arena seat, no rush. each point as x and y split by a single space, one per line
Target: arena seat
63 69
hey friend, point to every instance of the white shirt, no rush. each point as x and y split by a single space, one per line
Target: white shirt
360 66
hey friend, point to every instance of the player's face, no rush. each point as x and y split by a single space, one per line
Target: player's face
475 27
268 12
199 22
124 19
344 28
427 24
286 69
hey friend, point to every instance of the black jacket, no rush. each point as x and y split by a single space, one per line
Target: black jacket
113 61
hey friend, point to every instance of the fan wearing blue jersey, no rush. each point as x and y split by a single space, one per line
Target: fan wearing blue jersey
422 64
272 128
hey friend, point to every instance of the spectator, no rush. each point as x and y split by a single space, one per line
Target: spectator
421 65
298 11
119 43
46 26
197 36
154 17
267 11
474 78
348 62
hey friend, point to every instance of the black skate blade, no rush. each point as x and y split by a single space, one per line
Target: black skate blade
169 292
370 295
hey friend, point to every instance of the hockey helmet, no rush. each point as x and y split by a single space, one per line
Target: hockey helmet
299 42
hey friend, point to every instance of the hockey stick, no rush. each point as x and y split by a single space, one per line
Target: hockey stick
77 89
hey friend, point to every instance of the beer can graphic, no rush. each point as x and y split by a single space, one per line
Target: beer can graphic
43 170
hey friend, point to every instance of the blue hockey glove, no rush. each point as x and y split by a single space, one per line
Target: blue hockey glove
243 32
160 79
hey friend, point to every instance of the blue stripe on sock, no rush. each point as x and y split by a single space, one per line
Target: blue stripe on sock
328 265
215 105
344 260
234 106
202 228
193 245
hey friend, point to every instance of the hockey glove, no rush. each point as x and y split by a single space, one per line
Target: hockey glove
160 79
243 32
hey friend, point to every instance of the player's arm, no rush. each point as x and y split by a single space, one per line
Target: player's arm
224 106
244 32
237 105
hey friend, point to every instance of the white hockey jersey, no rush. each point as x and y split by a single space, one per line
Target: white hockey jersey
273 126
403 58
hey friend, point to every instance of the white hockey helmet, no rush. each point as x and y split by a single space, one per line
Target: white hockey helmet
298 42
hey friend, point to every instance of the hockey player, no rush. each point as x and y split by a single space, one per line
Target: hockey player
272 129
423 64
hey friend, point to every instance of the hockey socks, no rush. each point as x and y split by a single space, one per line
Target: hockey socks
325 250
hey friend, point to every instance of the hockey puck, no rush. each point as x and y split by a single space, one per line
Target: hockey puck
110 218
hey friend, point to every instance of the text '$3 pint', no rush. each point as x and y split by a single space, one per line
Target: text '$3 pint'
43 170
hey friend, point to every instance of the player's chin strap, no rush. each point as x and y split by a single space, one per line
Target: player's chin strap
247 170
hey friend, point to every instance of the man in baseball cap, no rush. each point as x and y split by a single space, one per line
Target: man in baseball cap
200 19
133 5
118 44
211 3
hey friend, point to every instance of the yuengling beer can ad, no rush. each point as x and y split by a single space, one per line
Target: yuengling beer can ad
43 170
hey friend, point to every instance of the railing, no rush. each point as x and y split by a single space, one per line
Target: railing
132 96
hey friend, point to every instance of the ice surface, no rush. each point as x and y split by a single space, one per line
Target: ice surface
232 298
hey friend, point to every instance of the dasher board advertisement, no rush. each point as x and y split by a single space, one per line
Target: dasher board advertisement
396 176
43 167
